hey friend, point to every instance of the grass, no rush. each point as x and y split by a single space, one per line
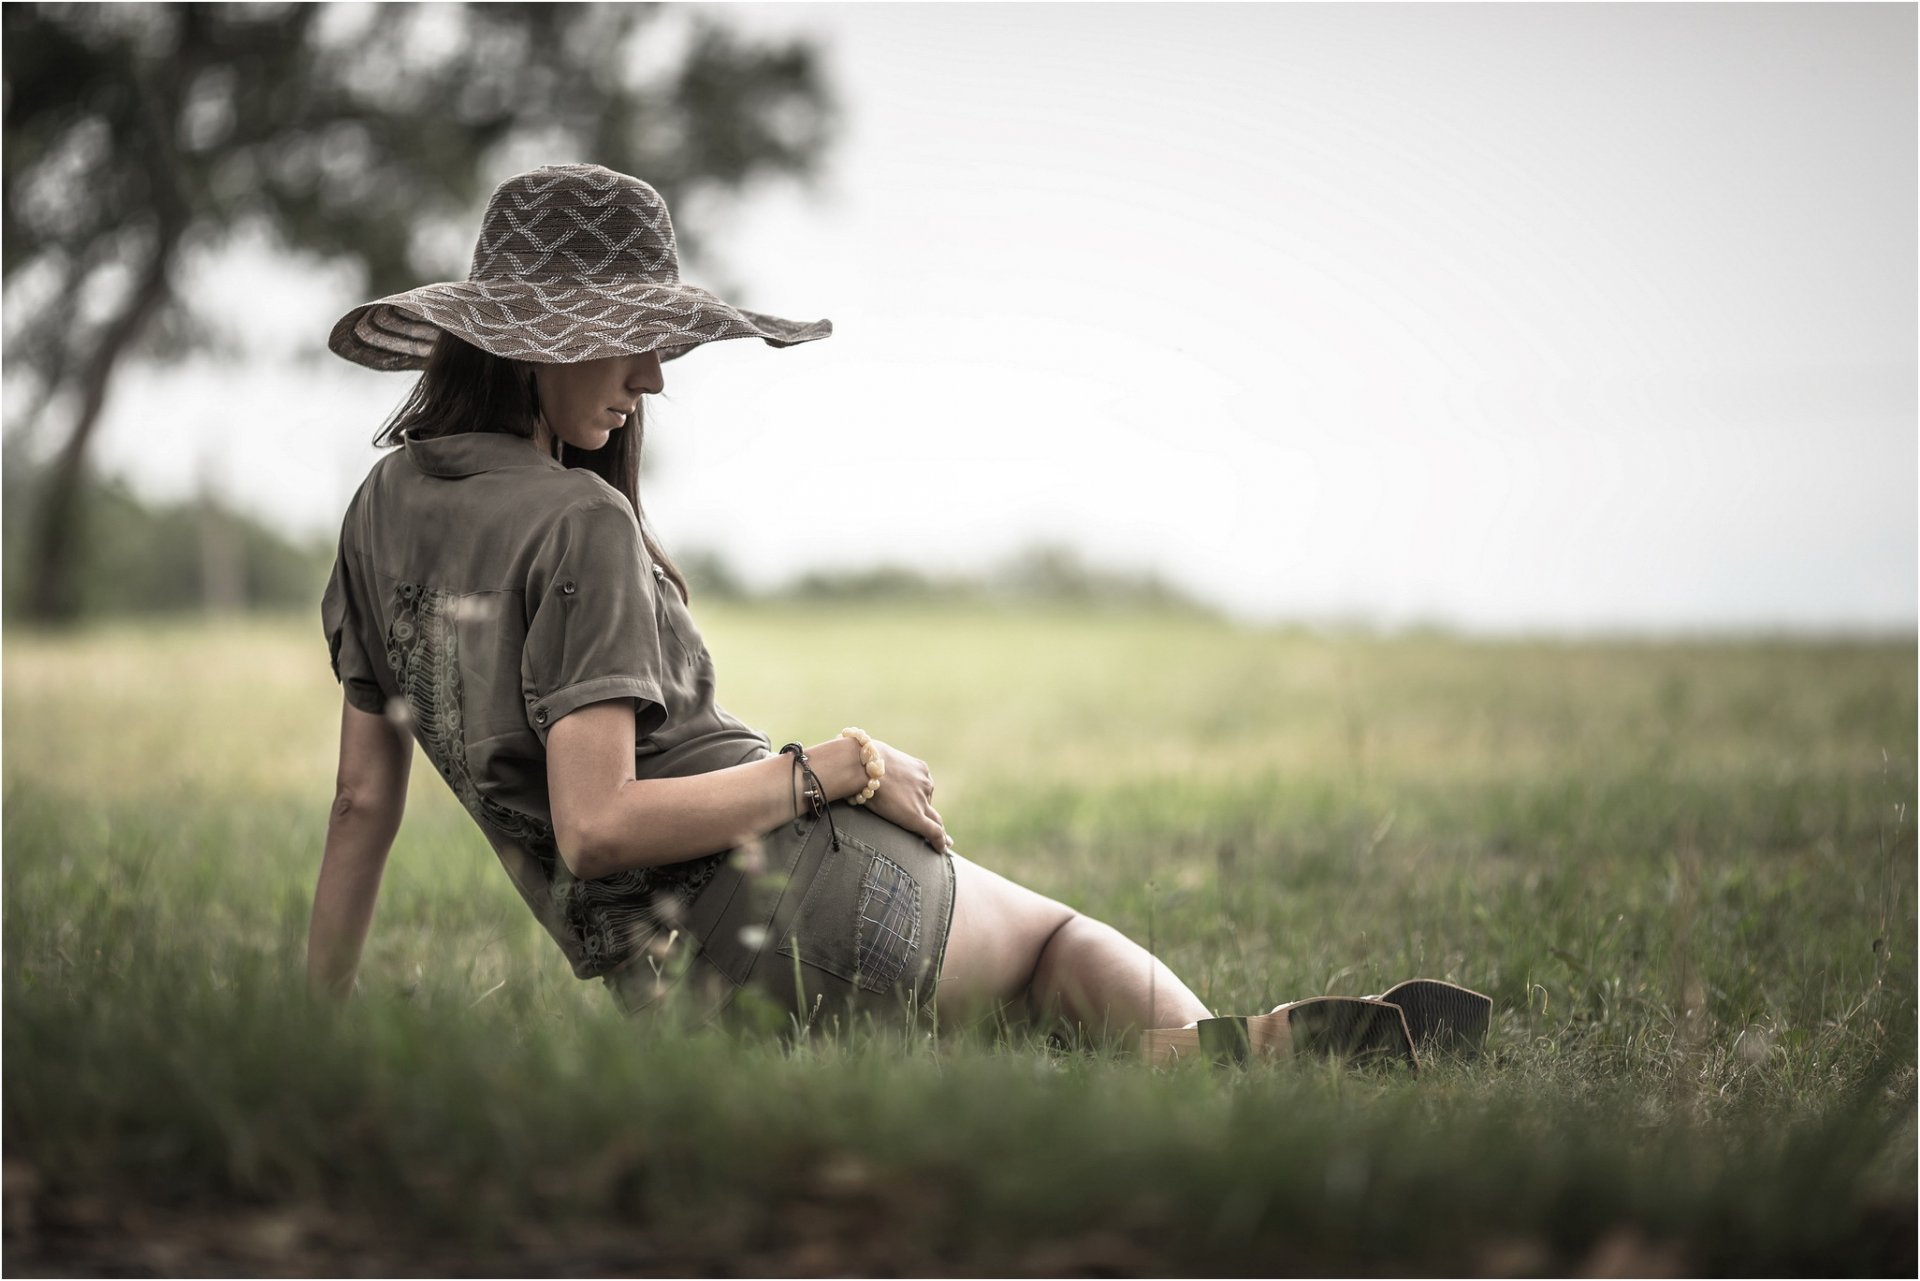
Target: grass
1685 872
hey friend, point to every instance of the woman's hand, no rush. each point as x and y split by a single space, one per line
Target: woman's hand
905 796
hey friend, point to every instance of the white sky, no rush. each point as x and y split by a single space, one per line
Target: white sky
1512 317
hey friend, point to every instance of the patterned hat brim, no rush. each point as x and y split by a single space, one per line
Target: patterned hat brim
554 321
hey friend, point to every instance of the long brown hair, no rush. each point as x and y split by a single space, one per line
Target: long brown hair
466 389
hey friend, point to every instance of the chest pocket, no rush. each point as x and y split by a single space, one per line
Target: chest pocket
687 653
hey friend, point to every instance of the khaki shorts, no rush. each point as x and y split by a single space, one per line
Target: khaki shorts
816 936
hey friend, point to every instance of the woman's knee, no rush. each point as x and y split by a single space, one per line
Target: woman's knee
1000 929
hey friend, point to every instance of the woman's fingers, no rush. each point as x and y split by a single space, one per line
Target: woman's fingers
906 795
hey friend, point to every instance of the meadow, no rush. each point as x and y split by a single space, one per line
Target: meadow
1683 870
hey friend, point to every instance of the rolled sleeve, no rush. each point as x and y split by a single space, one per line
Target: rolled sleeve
593 633
342 619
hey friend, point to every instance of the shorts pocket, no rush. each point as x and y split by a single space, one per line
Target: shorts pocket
888 924
860 919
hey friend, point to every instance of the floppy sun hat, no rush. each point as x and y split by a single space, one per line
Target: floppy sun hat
574 262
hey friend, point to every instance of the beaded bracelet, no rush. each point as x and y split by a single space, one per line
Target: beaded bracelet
869 758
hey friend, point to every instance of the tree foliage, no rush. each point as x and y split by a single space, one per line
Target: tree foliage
136 134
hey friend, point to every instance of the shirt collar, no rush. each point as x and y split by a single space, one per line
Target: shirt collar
468 453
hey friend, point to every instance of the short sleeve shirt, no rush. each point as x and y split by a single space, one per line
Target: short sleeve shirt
481 592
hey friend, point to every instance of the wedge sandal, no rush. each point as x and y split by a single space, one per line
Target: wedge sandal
1343 1027
1442 1018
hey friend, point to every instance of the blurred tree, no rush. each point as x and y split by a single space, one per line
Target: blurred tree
137 133
1044 573
150 558
709 576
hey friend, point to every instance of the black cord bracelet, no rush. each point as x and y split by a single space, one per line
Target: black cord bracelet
816 795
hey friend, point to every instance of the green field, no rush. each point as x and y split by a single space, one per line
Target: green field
1685 872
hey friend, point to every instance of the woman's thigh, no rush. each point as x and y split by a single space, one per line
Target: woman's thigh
999 930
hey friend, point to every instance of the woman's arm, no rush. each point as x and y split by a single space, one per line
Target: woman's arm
369 797
606 821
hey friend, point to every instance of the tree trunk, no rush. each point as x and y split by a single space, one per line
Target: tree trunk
223 568
53 562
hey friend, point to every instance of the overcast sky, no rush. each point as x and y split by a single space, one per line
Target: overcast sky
1512 317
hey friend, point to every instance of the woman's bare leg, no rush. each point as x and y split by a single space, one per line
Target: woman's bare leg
1010 944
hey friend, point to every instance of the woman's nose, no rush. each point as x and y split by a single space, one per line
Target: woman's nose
644 377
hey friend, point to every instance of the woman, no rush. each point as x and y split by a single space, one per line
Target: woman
498 592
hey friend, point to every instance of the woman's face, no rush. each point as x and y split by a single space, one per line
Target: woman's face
585 403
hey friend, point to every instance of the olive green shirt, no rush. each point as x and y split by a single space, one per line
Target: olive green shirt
481 592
